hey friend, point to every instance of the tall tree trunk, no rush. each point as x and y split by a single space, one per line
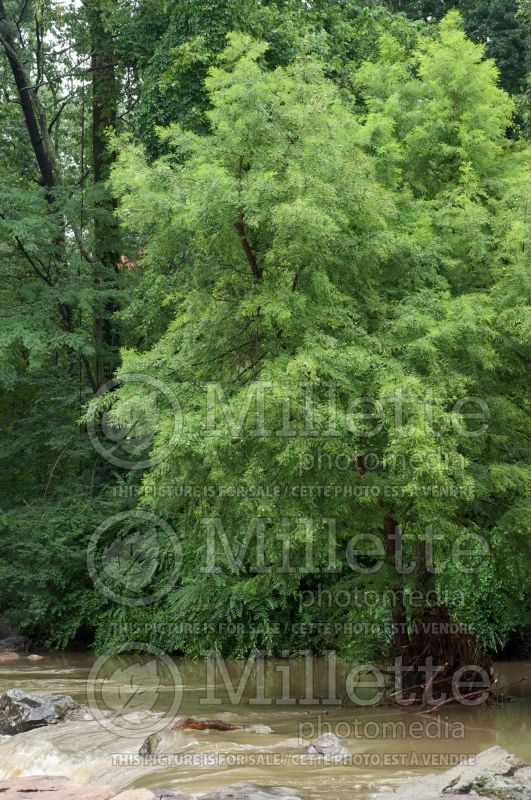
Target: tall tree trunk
105 98
37 128
393 543
393 547
33 114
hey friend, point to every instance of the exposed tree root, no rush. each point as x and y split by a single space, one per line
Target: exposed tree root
441 664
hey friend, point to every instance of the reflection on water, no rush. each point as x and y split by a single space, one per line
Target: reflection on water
382 744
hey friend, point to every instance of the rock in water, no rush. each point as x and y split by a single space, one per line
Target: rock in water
328 745
15 643
248 791
62 789
258 728
21 711
150 745
11 640
494 773
46 787
7 655
523 774
151 794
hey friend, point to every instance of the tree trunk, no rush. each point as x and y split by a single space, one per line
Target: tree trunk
393 547
105 97
37 129
43 151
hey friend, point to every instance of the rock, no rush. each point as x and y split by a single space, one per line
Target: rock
249 791
328 745
15 643
491 773
501 786
35 657
46 788
21 711
11 640
150 745
9 656
36 783
523 774
152 794
258 728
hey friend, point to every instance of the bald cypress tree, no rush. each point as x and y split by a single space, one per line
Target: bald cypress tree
319 251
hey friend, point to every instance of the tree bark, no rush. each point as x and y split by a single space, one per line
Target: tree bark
392 548
37 130
106 235
105 98
392 542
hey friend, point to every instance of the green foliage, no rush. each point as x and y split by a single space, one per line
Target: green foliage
311 196
53 600
173 87
500 25
365 250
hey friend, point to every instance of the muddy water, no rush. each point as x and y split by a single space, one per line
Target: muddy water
382 744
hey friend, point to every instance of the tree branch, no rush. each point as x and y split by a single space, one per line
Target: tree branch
29 104
247 249
240 230
31 260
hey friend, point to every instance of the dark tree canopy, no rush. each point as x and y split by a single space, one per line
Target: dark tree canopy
501 25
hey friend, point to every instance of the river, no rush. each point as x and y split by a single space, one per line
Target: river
383 744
